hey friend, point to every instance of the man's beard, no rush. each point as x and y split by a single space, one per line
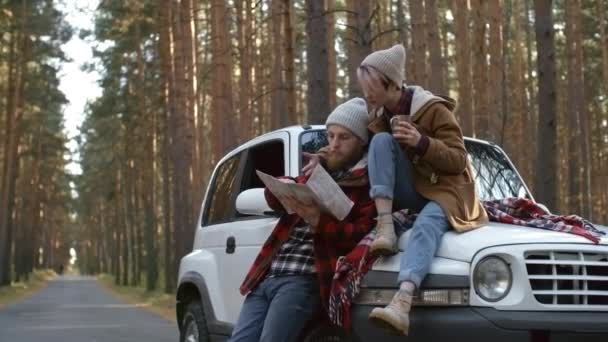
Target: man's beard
343 162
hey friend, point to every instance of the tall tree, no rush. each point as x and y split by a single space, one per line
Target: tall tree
221 100
495 75
463 66
330 18
359 40
279 94
317 62
289 47
583 115
480 70
436 80
546 158
419 44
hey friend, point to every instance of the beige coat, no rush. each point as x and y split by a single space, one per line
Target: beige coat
443 174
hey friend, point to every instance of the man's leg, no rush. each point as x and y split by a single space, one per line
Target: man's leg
294 300
249 325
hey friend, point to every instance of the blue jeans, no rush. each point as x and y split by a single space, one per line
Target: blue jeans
390 174
278 309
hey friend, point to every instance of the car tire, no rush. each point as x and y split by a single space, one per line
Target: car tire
326 333
194 324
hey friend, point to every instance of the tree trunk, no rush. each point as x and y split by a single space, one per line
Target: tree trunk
531 85
419 38
358 39
245 37
583 115
221 91
436 82
603 20
19 50
289 42
573 131
463 66
317 63
182 143
187 19
278 95
546 158
497 65
480 71
167 74
330 19
517 118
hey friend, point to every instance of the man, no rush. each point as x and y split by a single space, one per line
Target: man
290 279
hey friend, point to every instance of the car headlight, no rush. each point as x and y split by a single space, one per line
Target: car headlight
492 278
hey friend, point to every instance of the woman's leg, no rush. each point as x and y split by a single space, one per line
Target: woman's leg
422 245
390 174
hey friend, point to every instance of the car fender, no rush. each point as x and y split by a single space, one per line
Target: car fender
199 268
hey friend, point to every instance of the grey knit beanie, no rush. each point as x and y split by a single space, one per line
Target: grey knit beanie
353 116
390 62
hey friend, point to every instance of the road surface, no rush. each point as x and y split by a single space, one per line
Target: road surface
74 308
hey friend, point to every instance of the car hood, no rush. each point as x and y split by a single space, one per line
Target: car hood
463 246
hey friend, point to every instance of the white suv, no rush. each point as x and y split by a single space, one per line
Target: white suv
556 284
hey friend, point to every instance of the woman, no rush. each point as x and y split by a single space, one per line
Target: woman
420 163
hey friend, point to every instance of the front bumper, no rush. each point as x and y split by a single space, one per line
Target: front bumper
487 324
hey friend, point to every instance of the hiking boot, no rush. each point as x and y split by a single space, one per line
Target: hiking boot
396 315
385 242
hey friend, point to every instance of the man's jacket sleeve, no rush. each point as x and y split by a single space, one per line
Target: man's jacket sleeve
355 226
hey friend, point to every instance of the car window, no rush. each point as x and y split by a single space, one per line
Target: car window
311 142
269 158
495 177
221 205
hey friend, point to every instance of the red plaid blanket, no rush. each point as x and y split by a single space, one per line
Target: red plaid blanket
351 268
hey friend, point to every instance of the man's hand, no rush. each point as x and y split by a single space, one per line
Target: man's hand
308 211
406 134
313 161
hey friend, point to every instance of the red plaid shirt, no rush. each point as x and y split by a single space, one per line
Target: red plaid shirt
331 238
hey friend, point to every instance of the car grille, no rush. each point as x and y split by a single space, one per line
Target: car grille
568 278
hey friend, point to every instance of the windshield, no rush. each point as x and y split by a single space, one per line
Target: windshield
495 177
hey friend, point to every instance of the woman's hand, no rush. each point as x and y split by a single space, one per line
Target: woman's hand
406 134
313 161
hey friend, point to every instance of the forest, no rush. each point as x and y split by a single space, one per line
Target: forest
185 81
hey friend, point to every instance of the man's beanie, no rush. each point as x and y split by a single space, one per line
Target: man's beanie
390 62
352 115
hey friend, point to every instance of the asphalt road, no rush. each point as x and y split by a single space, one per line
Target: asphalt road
77 309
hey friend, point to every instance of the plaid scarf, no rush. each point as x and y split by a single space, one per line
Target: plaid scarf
351 268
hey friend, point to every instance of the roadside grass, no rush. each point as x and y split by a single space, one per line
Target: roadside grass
18 291
157 301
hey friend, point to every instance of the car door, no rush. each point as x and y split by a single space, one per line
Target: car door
235 239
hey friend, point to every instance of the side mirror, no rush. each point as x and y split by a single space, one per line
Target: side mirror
252 202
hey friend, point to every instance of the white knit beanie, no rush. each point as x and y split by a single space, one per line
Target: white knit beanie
390 62
353 116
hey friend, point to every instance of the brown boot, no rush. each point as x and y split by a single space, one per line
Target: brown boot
385 242
396 315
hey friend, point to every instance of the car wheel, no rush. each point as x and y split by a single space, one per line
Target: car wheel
194 325
326 333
